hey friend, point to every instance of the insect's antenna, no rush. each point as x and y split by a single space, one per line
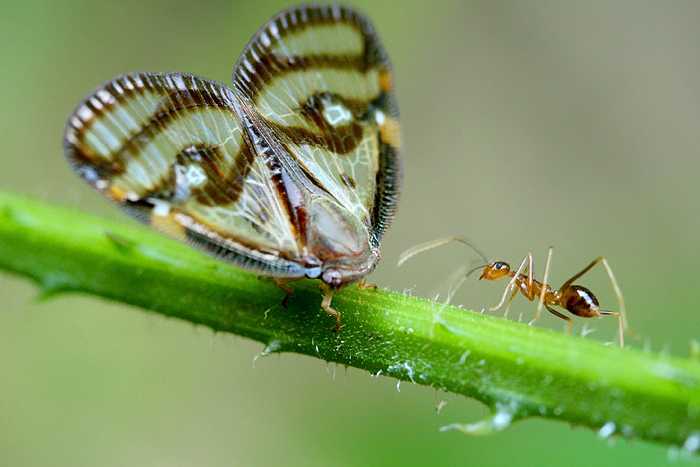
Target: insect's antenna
475 269
422 247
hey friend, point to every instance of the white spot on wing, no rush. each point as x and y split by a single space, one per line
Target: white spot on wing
138 82
274 31
380 118
265 39
179 83
96 103
117 88
76 123
160 208
336 114
105 97
85 114
190 175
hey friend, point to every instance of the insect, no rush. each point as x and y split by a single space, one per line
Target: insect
575 299
293 172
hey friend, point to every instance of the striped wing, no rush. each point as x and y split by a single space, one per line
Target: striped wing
321 79
170 150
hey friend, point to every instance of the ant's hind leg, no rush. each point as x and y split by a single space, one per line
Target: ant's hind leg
621 315
556 313
619 324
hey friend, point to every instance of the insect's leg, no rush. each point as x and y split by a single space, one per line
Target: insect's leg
326 305
556 313
545 276
621 316
528 258
619 324
515 292
588 268
283 283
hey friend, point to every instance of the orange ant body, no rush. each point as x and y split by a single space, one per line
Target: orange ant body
575 299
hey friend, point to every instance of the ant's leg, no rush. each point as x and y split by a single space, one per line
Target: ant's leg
619 324
556 313
621 316
585 270
528 258
545 276
515 292
528 283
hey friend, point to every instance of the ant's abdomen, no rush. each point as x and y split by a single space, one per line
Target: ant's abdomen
580 301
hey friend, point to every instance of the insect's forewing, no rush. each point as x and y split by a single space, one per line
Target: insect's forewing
169 149
320 77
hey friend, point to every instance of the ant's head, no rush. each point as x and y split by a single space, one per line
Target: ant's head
495 271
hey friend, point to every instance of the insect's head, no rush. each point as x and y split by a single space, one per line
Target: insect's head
495 271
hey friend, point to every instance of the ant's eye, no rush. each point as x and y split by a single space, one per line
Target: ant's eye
500 265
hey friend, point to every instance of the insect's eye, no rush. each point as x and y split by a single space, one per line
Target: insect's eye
499 266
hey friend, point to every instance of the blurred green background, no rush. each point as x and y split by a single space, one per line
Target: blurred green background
526 124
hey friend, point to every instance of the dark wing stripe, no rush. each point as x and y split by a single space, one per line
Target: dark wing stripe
119 123
262 68
259 60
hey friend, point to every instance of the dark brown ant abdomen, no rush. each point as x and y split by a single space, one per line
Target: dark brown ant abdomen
580 301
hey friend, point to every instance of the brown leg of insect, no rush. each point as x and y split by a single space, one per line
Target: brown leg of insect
555 312
326 305
363 285
621 316
515 292
282 283
620 326
545 276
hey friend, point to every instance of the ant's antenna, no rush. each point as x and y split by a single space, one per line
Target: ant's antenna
420 248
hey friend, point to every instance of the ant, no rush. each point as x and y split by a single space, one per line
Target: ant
575 299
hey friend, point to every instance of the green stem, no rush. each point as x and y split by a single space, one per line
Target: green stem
517 370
